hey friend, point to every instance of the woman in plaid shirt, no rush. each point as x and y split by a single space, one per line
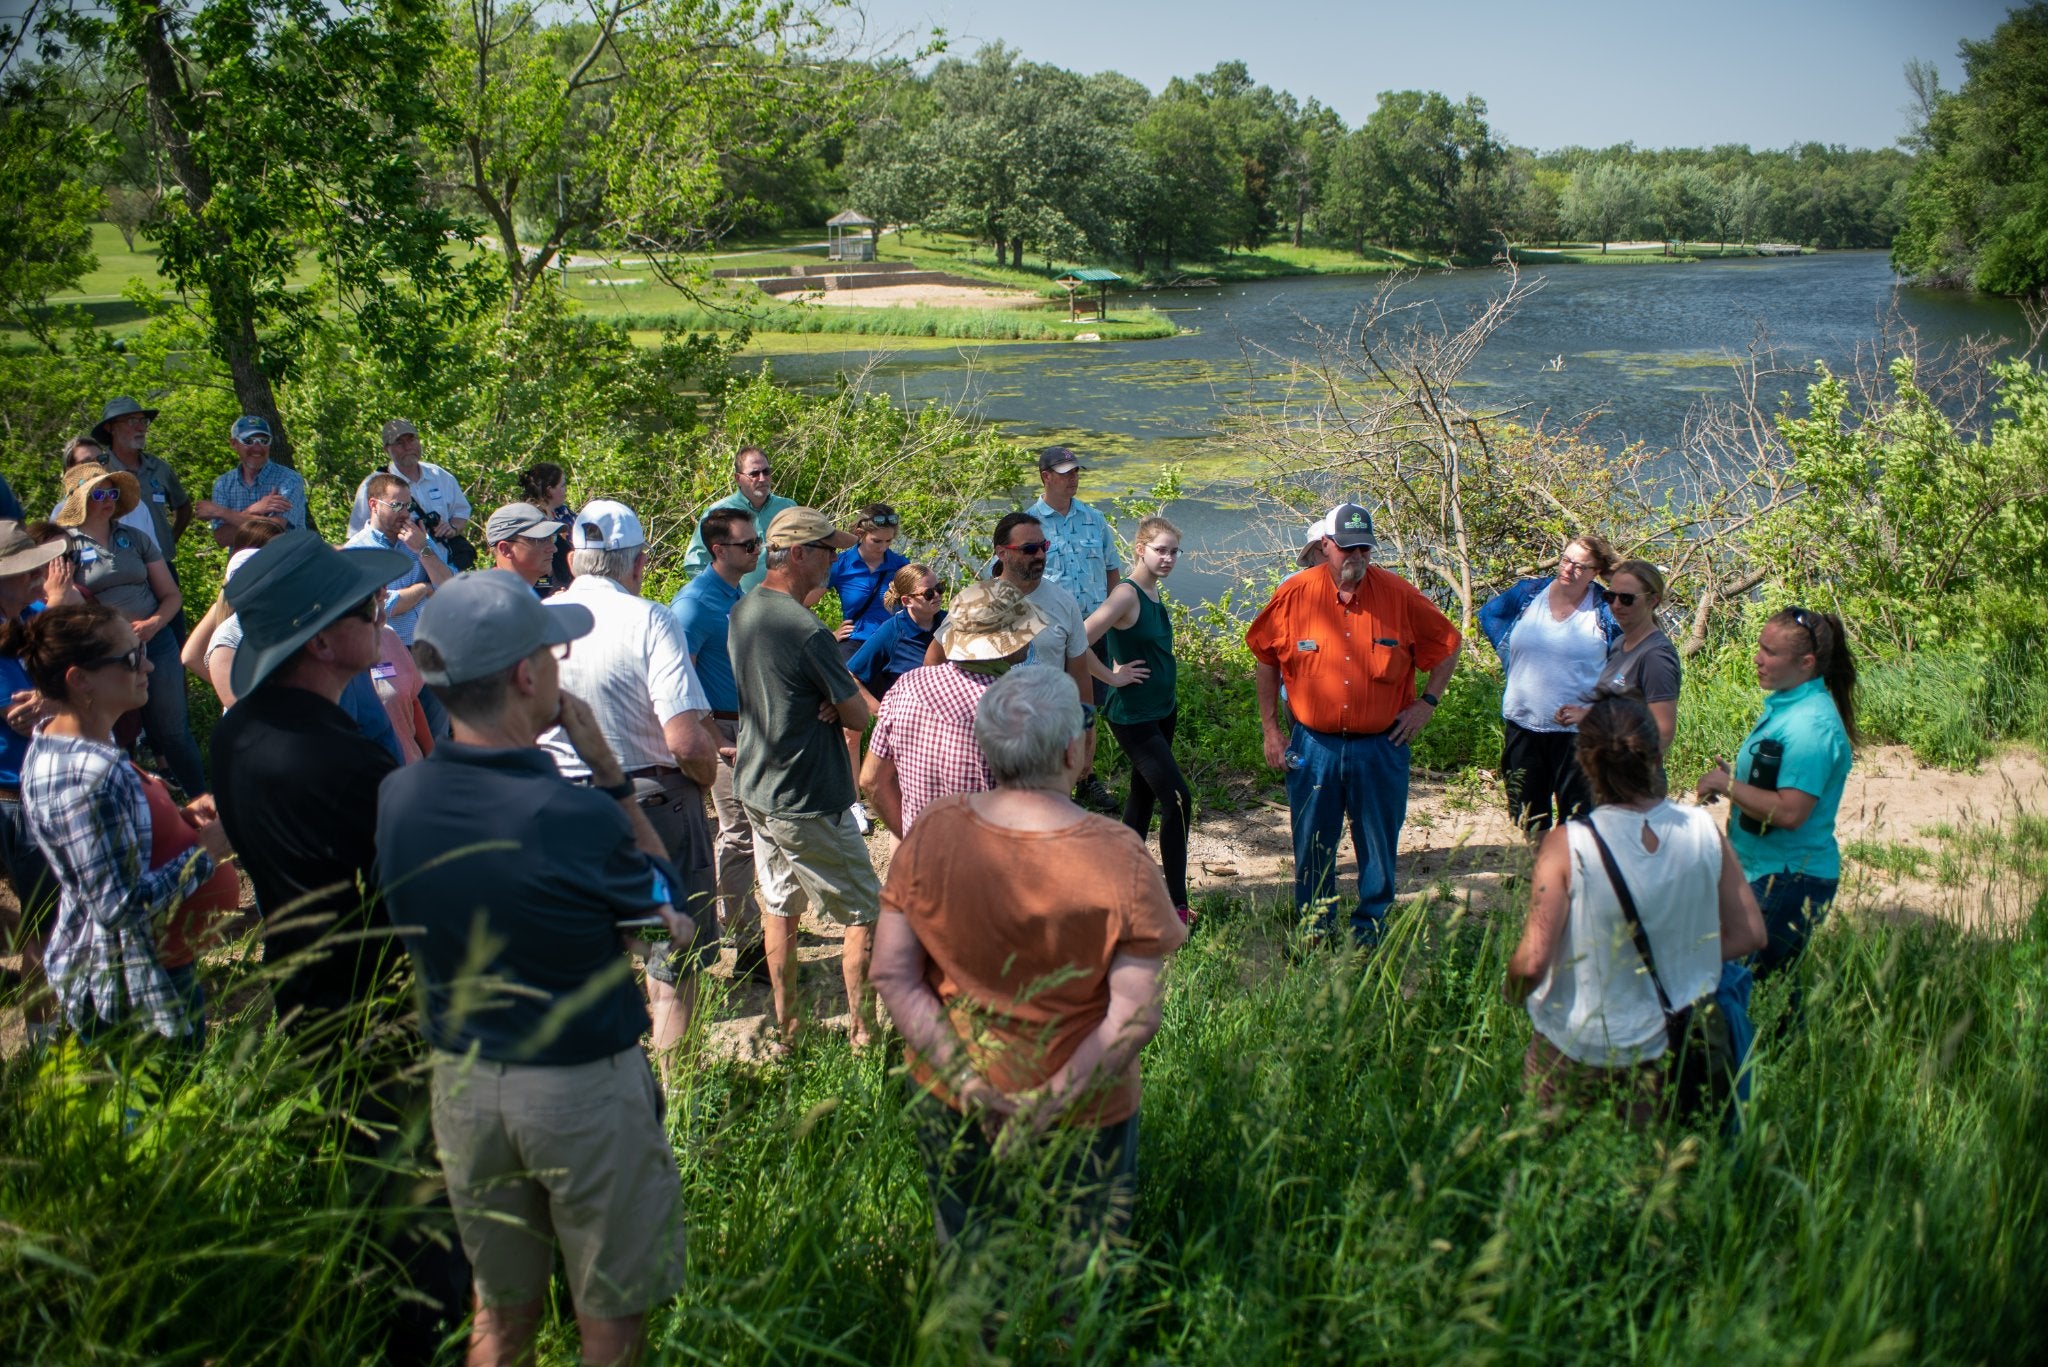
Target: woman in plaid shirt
85 809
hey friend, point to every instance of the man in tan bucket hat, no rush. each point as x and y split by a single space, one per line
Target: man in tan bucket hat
924 747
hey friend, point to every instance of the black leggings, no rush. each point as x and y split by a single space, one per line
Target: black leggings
1541 772
1156 779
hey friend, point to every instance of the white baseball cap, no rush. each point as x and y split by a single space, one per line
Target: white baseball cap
606 525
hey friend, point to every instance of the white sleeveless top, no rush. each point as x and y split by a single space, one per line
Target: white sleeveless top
1552 663
1596 1004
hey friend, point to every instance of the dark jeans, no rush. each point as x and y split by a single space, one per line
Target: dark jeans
1541 772
1156 781
22 862
164 716
1331 780
1793 907
1089 1175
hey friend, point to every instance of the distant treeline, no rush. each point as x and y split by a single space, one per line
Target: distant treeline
1034 158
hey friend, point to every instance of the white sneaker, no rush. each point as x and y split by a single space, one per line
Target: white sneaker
862 822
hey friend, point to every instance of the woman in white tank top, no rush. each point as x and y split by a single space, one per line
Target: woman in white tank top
1599 1028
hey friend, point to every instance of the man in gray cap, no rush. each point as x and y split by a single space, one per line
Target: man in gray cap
444 508
522 542
512 902
294 777
122 429
255 487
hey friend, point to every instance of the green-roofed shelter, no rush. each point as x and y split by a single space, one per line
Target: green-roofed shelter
1078 279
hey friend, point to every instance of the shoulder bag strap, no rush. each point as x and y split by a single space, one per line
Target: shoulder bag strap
1628 911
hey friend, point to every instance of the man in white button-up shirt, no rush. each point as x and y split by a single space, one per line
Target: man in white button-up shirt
634 670
444 508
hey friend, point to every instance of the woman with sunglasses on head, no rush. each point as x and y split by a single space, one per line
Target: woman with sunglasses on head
898 645
1787 781
1552 635
128 573
1644 665
88 812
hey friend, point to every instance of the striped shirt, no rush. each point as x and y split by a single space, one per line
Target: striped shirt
926 726
1082 551
85 809
633 669
232 491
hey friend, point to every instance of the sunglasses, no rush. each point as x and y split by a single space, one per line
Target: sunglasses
752 543
821 546
757 474
1032 547
105 495
256 439
132 661
368 608
881 520
1809 623
927 595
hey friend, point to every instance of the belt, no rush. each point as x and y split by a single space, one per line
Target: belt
724 716
655 771
10 794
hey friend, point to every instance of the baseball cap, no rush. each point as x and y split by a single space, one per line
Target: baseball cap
484 620
1350 525
800 525
398 427
247 426
516 520
1059 460
605 525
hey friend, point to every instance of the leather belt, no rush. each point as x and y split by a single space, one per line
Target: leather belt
653 771
724 716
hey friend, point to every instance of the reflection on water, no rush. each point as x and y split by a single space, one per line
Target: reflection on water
1639 344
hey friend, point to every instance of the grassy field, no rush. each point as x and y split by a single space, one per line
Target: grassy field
1336 1164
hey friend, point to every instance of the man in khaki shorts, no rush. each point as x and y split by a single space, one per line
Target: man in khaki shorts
790 769
511 903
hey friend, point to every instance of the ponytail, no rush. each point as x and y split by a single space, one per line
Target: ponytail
1833 660
905 583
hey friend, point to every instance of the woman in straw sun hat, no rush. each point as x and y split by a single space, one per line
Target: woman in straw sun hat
128 573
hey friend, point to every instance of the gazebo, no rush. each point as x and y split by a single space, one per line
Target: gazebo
845 245
1077 280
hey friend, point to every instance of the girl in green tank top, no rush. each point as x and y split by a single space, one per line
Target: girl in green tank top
1137 631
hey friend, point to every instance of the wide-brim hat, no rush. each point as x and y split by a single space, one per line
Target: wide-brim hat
294 587
118 408
990 620
79 482
20 552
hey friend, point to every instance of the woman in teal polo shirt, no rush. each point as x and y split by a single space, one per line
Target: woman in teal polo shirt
1788 778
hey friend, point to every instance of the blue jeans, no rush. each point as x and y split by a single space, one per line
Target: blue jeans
1793 906
1332 779
164 716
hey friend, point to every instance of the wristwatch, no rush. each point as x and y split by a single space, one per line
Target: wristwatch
617 792
1430 698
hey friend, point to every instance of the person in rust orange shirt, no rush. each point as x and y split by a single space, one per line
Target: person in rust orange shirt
1347 638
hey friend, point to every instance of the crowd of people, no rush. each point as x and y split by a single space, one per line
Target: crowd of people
565 800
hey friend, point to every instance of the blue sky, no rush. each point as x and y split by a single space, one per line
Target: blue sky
1652 72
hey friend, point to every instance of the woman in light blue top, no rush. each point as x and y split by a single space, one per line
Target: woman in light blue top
1788 777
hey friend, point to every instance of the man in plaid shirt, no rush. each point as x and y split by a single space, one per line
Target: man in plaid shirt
255 487
924 747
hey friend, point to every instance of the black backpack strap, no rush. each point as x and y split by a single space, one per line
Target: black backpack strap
1628 911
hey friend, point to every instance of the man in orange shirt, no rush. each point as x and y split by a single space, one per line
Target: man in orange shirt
1347 637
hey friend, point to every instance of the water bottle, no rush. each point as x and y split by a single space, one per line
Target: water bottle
1764 764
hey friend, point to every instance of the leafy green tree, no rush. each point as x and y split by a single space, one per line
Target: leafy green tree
1179 179
1976 206
1683 199
1607 200
46 207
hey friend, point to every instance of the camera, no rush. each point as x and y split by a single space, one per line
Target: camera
426 517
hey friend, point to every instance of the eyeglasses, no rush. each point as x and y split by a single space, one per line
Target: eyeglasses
1566 562
751 544
105 495
881 520
1032 547
132 661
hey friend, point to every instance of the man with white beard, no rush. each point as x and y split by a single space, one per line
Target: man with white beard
1347 638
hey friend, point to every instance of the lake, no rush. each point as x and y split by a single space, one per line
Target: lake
1639 346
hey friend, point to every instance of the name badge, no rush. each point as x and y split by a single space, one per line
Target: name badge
159 497
88 555
384 670
1305 645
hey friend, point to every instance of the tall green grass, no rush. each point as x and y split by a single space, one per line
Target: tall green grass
1128 324
1337 1164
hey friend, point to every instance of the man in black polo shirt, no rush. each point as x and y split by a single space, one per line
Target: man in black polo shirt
513 904
296 780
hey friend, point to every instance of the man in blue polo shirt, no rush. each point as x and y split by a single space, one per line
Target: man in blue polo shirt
704 607
255 487
756 497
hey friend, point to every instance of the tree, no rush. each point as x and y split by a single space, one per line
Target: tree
1180 178
1684 198
283 125
127 208
1976 204
46 209
1606 200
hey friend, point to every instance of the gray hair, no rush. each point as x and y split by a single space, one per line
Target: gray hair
1024 723
605 564
776 557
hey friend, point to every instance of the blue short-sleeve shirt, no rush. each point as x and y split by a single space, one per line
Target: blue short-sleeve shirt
1817 760
704 608
860 589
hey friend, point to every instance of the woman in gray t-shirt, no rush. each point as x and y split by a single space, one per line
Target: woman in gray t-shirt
125 570
1644 664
